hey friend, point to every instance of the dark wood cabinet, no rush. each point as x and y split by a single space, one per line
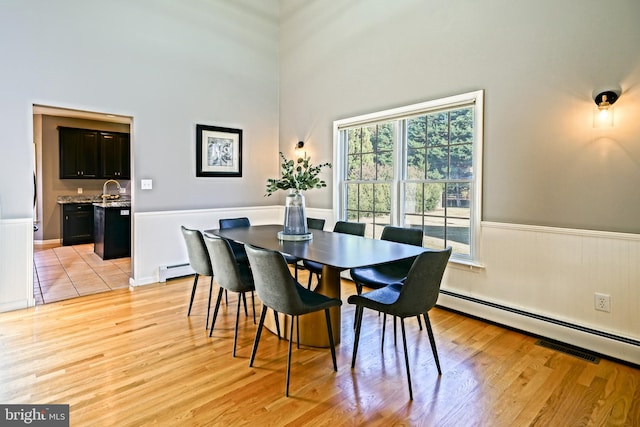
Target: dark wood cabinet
77 223
115 156
78 153
92 154
112 232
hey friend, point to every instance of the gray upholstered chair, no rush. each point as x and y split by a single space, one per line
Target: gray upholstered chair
416 296
355 228
314 224
231 276
237 248
200 263
378 276
278 290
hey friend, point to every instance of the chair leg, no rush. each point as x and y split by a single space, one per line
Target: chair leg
419 322
297 331
295 270
275 318
286 390
384 327
193 292
235 332
253 304
356 340
226 297
406 357
244 298
330 332
206 325
258 332
309 281
215 311
432 340
395 331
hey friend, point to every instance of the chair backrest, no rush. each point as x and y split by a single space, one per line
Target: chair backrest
410 236
274 284
355 228
234 222
315 223
197 251
237 248
229 274
420 291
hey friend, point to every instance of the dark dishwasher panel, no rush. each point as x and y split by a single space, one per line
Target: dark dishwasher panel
77 223
112 232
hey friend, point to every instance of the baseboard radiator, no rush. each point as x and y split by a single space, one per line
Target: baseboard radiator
173 271
603 334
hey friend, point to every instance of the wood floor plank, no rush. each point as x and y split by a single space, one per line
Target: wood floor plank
133 358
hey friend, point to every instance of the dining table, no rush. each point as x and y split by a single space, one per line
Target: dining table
335 251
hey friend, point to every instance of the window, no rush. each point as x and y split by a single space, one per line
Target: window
415 166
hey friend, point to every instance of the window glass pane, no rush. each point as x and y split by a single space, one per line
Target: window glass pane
384 165
462 126
416 164
353 167
368 167
352 197
434 233
458 234
353 140
382 139
382 199
437 162
458 198
365 198
416 132
438 129
461 159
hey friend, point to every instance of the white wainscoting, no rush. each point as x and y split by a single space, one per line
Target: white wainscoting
159 242
16 264
554 273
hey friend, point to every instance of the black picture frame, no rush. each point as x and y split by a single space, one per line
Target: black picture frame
218 151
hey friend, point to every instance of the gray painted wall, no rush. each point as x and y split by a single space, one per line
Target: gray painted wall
167 64
539 64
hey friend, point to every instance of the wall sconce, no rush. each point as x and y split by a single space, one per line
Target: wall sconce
603 113
299 149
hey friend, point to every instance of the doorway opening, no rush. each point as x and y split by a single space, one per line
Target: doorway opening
67 267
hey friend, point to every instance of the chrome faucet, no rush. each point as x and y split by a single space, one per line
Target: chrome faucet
106 184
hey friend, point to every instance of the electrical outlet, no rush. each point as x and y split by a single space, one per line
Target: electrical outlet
79 190
123 190
602 302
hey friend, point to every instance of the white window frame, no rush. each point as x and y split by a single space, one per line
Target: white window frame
476 101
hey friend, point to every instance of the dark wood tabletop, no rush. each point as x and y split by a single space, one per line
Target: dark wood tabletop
338 250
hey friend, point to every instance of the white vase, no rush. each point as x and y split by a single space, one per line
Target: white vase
295 218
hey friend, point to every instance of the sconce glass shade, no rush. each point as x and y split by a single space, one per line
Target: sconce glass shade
299 149
603 113
603 117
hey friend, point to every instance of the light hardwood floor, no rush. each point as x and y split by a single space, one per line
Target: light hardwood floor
133 358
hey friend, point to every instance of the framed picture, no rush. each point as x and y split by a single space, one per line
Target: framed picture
218 151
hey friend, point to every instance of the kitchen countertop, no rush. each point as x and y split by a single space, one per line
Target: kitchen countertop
113 204
96 200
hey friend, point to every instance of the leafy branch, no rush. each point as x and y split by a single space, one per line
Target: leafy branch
300 175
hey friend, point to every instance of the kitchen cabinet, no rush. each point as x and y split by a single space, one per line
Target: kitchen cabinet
77 223
78 153
115 156
112 230
92 154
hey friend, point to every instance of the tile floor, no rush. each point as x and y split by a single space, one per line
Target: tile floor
63 272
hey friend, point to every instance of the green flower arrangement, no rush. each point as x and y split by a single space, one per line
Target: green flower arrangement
299 175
